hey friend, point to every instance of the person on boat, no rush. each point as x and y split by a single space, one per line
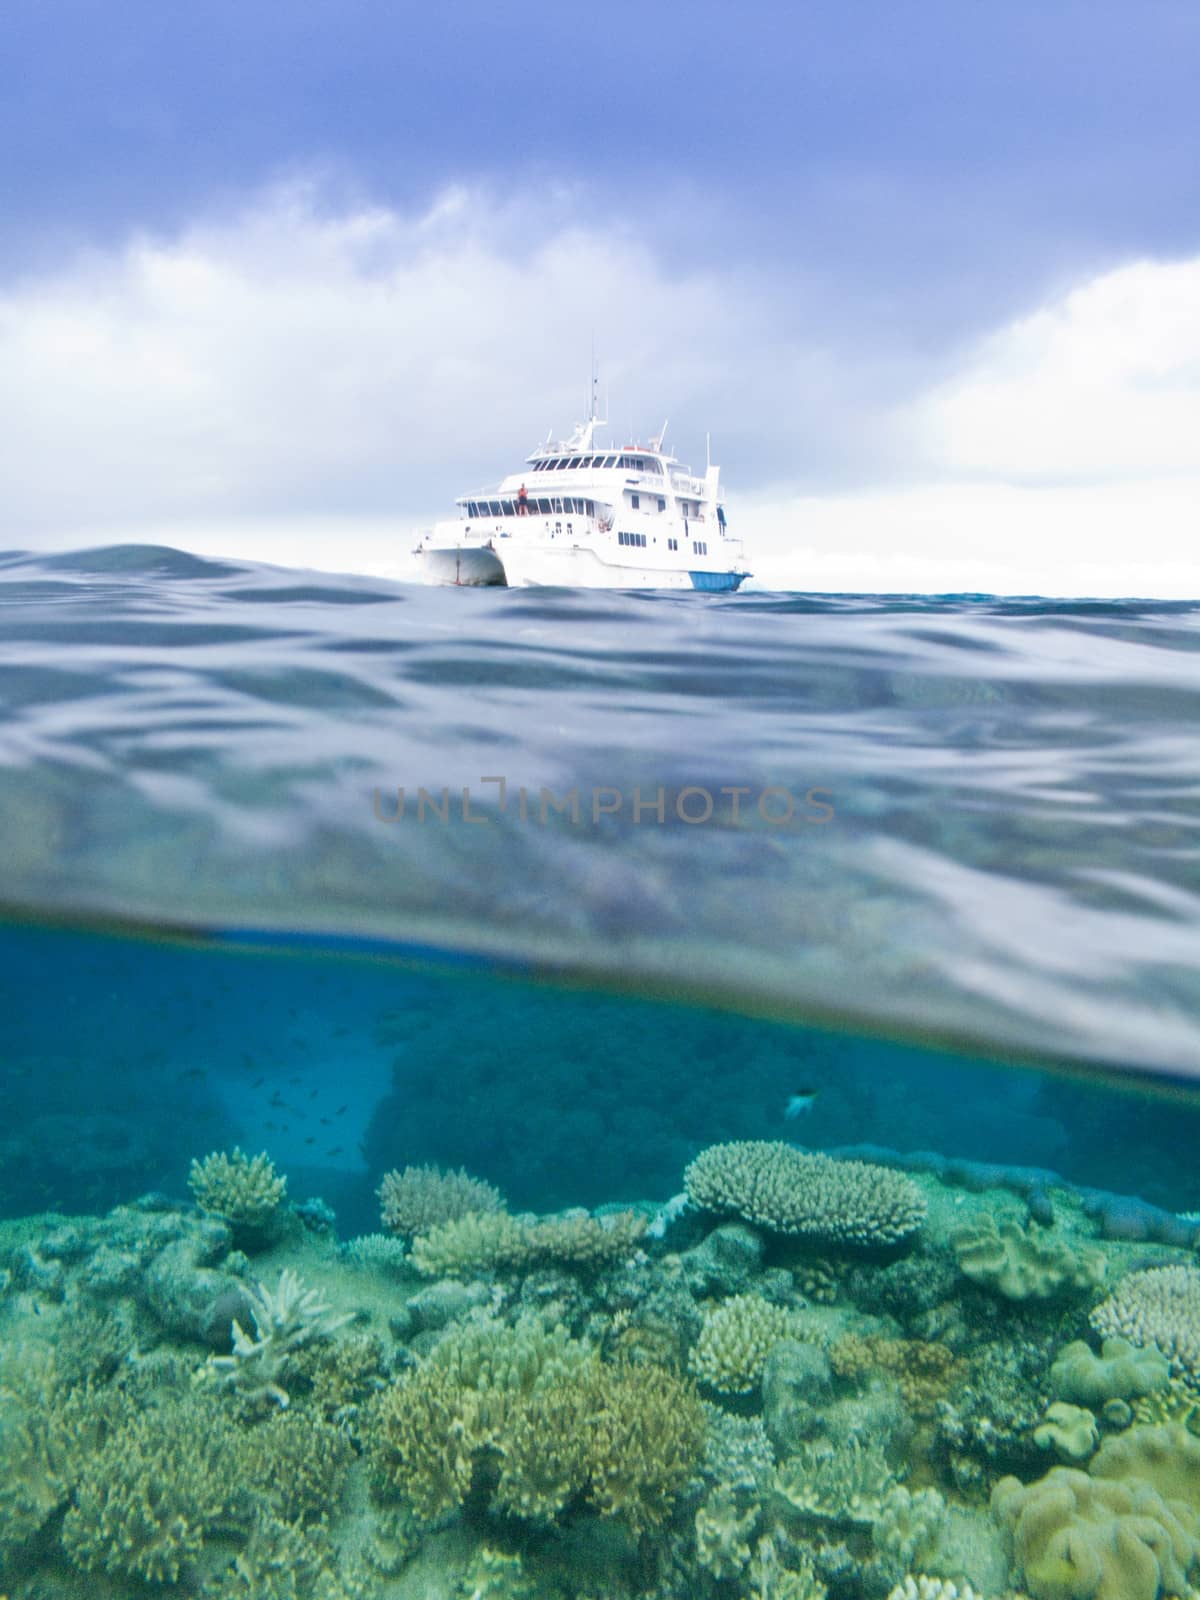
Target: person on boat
522 502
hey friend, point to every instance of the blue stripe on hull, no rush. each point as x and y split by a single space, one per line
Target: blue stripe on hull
716 580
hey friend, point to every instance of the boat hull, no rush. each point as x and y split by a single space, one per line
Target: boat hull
471 566
574 567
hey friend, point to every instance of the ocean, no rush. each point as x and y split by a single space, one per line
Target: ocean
557 1094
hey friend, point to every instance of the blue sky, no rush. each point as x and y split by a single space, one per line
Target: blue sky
855 199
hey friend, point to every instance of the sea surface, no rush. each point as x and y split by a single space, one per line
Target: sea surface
558 890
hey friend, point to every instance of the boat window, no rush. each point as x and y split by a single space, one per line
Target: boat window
557 506
573 463
471 511
636 501
543 507
662 504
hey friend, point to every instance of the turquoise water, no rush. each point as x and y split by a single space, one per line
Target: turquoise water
949 936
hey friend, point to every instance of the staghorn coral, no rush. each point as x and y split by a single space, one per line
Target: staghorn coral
555 1425
1158 1306
283 1321
1119 1372
1024 1263
735 1340
1077 1538
295 1464
812 1196
246 1191
147 1499
419 1198
282 1561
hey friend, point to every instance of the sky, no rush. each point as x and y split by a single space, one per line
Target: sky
281 281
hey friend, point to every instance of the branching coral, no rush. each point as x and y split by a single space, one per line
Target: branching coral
419 1198
1158 1306
500 1243
843 1483
556 1426
148 1498
812 1196
247 1191
735 1340
285 1320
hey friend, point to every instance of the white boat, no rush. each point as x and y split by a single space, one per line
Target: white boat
582 516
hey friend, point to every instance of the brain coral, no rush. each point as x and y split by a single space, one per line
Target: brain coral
789 1191
1158 1306
1077 1538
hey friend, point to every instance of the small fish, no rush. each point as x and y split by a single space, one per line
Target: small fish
196 1072
310 1141
799 1103
342 1110
312 1093
326 1122
336 1151
258 1083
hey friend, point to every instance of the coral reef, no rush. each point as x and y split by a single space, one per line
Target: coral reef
419 1198
813 1196
1158 1306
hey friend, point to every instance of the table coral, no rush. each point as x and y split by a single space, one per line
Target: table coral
793 1192
418 1198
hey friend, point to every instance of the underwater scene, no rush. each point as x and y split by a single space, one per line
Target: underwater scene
594 1097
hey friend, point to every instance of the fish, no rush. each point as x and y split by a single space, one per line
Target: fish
800 1103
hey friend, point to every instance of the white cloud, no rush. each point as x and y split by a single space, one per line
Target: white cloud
305 386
